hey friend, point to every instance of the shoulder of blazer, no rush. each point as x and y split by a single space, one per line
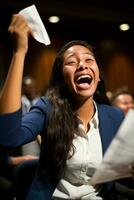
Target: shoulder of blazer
109 111
110 120
44 105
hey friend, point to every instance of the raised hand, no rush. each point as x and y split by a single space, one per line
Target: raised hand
19 31
10 99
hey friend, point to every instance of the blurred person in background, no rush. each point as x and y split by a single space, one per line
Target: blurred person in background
30 93
123 99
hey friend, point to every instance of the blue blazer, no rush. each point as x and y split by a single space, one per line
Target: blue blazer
16 131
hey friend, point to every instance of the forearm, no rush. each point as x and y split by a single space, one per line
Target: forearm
10 99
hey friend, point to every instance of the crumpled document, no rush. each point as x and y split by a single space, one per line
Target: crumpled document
35 23
120 154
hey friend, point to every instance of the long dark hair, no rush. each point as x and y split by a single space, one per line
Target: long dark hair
63 122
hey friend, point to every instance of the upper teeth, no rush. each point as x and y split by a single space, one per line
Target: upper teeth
83 76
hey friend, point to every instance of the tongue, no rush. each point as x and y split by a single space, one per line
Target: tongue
83 85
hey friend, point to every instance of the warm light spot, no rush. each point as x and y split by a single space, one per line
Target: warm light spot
54 19
124 27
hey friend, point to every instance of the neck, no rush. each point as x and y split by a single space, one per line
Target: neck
86 112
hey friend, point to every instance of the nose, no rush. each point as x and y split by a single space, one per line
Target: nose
82 65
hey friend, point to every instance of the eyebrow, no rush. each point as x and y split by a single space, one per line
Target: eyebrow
86 53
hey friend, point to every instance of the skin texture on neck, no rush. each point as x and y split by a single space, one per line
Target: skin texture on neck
86 112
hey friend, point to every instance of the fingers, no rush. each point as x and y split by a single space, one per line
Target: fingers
18 24
19 31
131 168
30 157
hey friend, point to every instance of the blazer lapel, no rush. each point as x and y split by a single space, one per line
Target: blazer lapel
106 127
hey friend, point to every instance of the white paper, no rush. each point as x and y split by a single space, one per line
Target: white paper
35 23
120 154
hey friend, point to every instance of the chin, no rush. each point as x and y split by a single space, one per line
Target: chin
86 93
83 95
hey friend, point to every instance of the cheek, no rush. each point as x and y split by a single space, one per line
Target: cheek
97 74
95 70
68 74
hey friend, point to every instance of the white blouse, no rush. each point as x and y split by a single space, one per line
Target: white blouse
88 154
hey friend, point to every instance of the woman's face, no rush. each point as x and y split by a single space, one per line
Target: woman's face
80 71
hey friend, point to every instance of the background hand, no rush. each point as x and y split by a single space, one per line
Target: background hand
19 159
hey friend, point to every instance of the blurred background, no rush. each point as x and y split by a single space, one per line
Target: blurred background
96 21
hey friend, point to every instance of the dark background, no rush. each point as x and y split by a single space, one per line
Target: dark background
96 21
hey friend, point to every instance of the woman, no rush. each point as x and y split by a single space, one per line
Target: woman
75 126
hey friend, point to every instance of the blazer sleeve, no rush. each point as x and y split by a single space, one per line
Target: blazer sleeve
16 130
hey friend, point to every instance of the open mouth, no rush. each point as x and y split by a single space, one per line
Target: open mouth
84 79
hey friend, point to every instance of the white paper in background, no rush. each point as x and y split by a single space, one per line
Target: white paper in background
119 155
35 23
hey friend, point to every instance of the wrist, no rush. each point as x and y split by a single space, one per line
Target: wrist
20 53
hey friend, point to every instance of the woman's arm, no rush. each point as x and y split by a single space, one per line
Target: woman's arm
10 99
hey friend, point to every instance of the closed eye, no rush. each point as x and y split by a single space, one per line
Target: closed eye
89 59
71 63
